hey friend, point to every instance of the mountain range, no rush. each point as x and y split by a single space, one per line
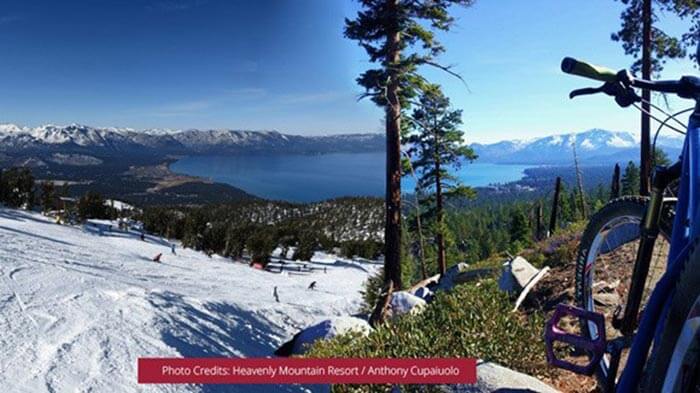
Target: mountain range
77 144
76 138
593 147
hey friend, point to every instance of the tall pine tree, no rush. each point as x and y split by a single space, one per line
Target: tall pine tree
398 35
630 179
650 46
435 145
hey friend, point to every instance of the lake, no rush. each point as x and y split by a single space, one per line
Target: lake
309 178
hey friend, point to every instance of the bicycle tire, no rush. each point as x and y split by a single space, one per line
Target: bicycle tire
632 207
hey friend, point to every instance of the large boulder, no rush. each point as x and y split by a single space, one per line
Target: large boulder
403 302
323 330
494 378
424 293
449 279
516 274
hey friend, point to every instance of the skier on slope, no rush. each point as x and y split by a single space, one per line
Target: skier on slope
274 293
157 257
312 286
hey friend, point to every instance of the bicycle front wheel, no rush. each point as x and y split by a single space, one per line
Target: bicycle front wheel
605 264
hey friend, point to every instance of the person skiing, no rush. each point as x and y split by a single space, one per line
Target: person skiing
172 248
143 237
274 293
312 286
157 257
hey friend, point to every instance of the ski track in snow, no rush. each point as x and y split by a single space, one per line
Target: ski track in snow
77 308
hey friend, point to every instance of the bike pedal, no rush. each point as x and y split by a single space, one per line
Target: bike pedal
594 348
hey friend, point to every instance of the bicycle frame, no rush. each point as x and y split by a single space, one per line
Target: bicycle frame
685 229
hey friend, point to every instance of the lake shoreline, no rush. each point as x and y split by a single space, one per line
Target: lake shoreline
312 178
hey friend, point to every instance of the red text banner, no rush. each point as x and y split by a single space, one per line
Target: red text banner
306 371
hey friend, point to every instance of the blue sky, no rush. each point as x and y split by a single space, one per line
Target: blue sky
284 65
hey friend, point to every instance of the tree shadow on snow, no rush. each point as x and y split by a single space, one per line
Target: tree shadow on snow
35 235
218 329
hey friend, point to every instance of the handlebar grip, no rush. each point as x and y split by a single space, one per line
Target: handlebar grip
572 66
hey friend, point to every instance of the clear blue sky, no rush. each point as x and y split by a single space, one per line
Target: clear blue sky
284 65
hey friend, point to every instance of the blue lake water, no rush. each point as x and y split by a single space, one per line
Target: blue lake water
308 178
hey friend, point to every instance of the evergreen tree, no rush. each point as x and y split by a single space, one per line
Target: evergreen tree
92 205
650 46
661 158
17 185
630 180
48 195
519 230
261 244
399 36
436 147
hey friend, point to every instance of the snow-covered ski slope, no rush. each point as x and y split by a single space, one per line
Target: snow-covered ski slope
78 307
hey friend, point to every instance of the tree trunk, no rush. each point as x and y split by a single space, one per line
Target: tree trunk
615 186
645 150
392 228
555 207
579 185
439 238
538 221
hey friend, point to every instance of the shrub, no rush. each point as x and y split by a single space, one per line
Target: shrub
471 321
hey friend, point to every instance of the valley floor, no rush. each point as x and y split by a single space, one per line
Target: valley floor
78 306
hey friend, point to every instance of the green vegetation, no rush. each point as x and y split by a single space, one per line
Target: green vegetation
630 180
399 37
436 146
17 187
471 321
352 224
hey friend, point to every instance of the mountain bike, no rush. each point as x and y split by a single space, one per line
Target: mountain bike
661 302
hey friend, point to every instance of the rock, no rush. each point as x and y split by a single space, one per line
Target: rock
424 293
447 280
529 286
522 271
607 299
494 378
506 282
607 287
474 274
323 330
403 302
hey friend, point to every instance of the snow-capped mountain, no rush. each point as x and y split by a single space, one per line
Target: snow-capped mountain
594 146
14 138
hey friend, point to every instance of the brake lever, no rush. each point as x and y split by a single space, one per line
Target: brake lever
624 95
585 91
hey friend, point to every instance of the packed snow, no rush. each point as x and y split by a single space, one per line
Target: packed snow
80 304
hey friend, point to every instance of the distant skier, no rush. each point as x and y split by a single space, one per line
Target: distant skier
274 293
172 248
157 257
143 237
312 286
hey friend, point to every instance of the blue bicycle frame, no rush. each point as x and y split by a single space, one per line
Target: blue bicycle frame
685 230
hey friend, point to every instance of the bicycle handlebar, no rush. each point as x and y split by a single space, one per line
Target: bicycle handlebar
686 87
575 67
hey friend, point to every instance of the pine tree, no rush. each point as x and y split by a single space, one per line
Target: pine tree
92 205
630 179
48 195
641 35
436 147
399 36
519 230
661 158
